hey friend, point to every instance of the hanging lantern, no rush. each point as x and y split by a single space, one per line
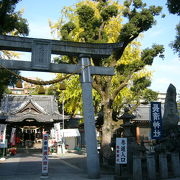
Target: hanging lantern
19 84
41 90
62 86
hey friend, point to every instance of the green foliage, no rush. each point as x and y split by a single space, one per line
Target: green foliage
51 90
127 4
6 79
8 91
108 12
87 22
34 91
140 84
138 3
149 54
149 95
176 44
125 69
140 19
86 14
173 6
66 30
72 94
41 90
91 24
10 22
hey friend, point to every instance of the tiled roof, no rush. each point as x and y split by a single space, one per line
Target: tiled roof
46 104
13 102
142 113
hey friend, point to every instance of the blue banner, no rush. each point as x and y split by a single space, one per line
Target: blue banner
156 120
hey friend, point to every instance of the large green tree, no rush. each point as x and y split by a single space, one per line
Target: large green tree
101 22
11 22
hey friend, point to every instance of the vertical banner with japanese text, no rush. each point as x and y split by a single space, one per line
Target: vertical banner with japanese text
13 137
2 135
45 155
58 136
121 150
156 120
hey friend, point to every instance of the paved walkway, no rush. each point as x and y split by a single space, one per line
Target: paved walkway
70 166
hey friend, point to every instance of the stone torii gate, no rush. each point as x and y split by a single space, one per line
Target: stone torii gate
41 50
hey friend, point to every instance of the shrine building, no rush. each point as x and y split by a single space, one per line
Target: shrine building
31 115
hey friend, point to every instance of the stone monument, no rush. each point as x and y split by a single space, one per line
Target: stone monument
170 117
171 133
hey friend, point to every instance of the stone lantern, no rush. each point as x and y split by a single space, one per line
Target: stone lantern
129 133
128 126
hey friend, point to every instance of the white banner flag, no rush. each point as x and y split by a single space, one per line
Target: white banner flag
53 133
2 134
57 132
12 140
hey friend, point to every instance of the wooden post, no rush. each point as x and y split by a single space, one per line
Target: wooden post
151 167
175 164
138 135
163 165
137 169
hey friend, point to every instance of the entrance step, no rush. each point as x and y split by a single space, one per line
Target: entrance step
37 146
28 150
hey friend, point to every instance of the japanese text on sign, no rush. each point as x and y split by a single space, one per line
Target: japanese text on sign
13 136
2 133
156 120
57 132
121 150
45 155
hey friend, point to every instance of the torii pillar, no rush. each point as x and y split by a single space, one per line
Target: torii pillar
89 121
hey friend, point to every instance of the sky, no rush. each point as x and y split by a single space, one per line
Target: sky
38 12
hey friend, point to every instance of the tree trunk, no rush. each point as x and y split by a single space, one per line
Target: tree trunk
106 151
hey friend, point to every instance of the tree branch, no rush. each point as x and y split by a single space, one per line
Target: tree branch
100 30
116 125
96 85
134 107
120 87
118 53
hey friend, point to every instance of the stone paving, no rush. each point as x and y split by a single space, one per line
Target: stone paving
69 166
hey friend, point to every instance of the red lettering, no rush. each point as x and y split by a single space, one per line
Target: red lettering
44 162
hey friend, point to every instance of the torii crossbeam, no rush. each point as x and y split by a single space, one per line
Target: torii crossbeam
41 50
